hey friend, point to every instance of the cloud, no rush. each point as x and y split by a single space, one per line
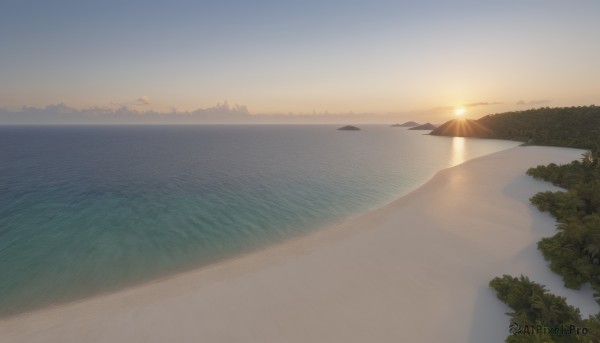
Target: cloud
469 105
477 104
143 101
532 102
125 113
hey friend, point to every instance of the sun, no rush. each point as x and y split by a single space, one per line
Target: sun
459 111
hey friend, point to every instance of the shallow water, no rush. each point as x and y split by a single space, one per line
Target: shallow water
91 209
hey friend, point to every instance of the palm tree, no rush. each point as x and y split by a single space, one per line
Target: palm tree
572 232
588 159
548 310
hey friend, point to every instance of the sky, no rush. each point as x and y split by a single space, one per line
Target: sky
405 59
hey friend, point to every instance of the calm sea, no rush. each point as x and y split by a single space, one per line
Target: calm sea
91 209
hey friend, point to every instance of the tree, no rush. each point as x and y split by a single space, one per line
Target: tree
588 160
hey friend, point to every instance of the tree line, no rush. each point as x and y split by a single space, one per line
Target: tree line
573 251
571 127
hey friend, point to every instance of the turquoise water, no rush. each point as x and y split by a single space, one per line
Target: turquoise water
92 209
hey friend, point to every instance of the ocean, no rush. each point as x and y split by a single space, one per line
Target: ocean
92 209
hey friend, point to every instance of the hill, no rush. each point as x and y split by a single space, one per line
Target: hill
427 126
462 128
407 124
574 127
349 128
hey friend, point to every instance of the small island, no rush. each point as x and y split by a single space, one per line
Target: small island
406 124
427 126
349 128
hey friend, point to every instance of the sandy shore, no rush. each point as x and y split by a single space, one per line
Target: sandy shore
415 270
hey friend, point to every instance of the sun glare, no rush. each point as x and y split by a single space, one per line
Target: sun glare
459 112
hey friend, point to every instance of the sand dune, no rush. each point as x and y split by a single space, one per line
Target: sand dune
415 270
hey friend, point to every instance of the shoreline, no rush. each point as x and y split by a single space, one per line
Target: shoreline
394 273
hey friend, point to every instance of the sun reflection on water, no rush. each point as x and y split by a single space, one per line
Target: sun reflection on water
458 150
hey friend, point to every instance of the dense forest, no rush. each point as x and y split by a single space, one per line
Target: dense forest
574 251
574 127
537 312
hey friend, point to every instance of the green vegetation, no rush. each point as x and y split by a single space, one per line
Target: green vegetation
574 127
533 305
574 251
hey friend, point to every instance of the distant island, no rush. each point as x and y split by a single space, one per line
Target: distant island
407 124
427 126
571 127
349 128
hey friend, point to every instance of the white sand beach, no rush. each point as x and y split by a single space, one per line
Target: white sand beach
415 270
